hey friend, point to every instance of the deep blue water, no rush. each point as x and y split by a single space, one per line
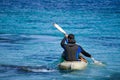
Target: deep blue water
28 38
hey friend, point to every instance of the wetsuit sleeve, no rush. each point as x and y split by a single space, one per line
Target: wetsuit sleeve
63 42
85 53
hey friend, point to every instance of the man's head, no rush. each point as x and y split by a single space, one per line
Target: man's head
71 38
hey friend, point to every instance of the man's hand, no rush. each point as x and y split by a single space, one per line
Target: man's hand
66 35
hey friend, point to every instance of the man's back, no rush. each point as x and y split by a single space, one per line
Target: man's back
71 52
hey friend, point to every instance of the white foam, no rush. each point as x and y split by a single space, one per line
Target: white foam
40 70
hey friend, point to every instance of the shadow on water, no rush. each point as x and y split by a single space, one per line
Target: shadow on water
115 76
23 39
10 38
65 71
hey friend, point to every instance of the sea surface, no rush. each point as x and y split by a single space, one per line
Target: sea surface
28 38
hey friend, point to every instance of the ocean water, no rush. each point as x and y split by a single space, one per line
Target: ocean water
28 38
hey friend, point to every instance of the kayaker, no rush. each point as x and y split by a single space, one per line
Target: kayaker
72 51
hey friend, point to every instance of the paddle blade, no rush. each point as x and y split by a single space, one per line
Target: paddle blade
99 63
59 28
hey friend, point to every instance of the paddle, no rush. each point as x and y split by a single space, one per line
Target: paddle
61 30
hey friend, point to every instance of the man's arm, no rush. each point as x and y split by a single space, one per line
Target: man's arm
85 53
63 42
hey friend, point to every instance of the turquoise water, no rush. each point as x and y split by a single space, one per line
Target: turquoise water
28 38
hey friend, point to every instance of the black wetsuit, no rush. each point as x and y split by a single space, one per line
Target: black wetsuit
72 51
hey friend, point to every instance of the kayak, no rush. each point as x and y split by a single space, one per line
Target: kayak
73 65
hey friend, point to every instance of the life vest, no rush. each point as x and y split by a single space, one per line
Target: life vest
72 52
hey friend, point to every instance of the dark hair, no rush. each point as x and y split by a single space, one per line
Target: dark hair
71 38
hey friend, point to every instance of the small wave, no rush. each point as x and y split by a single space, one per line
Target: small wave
38 70
28 68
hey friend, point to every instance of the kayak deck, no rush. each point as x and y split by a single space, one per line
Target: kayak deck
73 65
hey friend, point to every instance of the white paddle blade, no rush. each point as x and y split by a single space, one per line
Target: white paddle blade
97 62
59 28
